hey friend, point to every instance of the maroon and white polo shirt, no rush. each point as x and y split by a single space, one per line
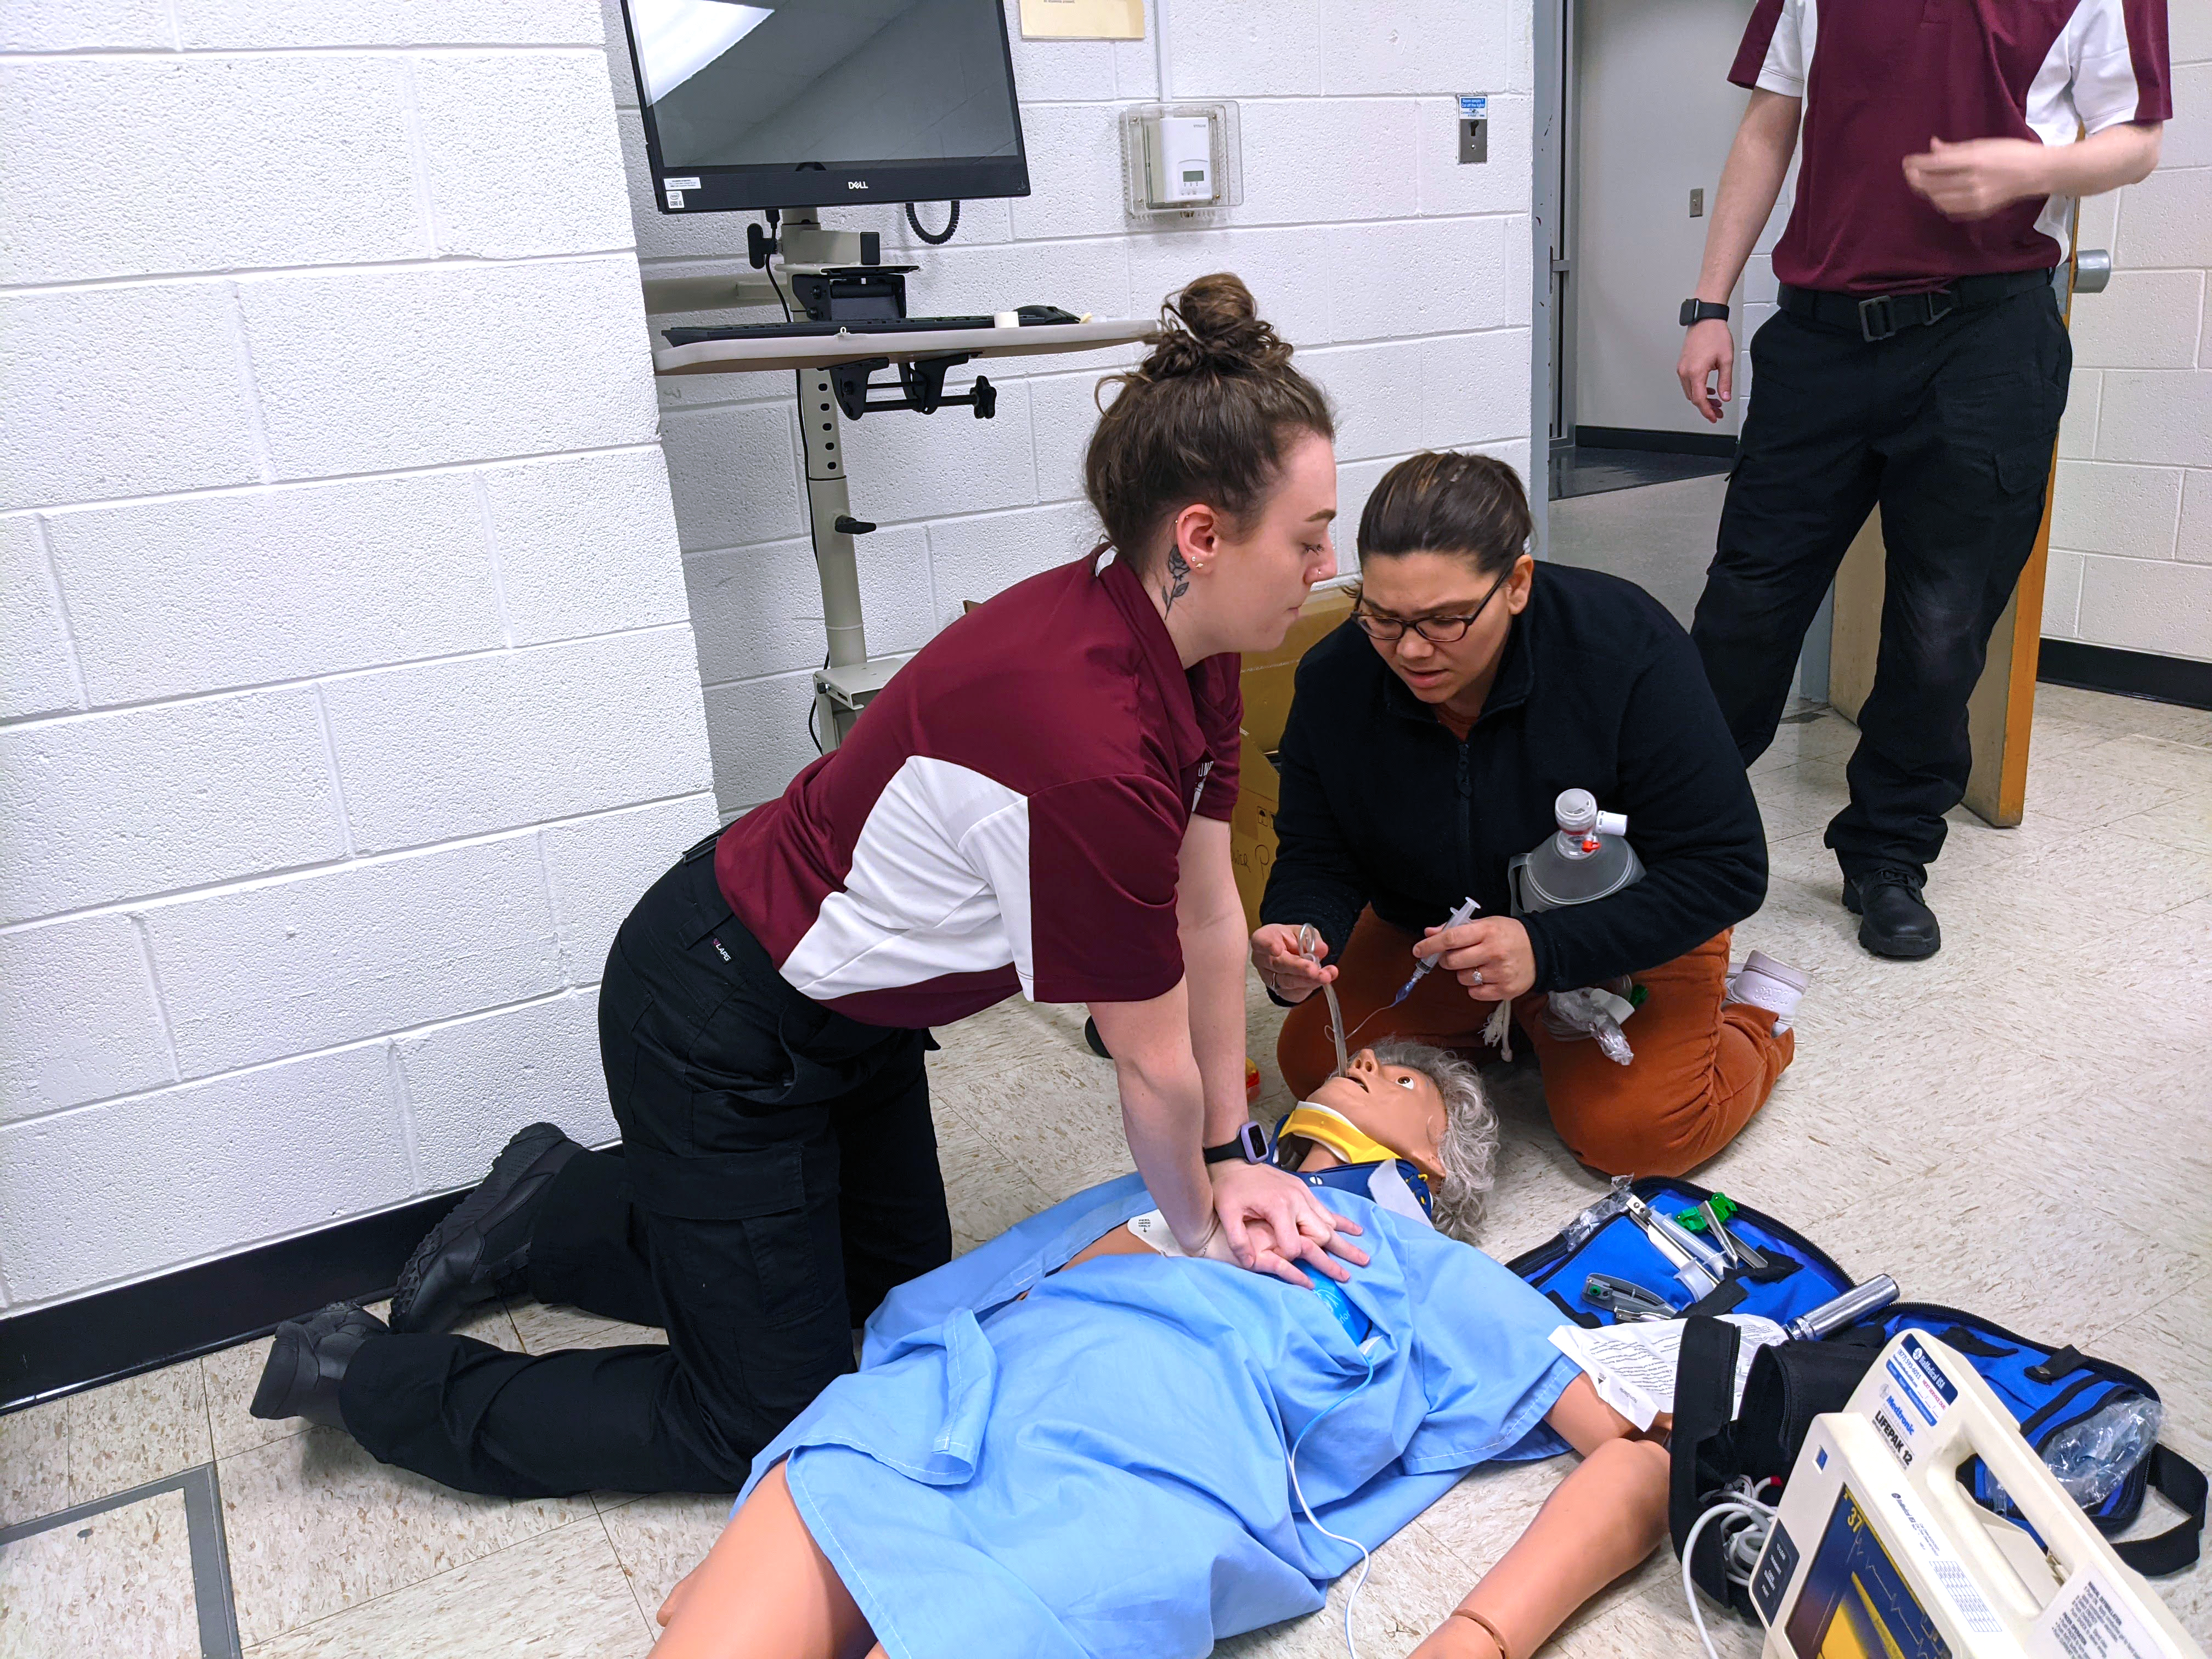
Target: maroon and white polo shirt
1880 78
1007 815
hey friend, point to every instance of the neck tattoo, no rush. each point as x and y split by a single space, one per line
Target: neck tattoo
1178 581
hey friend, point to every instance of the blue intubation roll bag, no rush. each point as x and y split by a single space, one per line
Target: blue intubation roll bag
2086 1417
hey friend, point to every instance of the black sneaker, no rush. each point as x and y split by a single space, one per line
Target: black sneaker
484 1238
309 1361
1895 919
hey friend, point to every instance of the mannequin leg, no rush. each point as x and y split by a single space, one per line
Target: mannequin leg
765 1591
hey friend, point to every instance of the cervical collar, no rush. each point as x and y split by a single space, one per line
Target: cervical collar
1326 1126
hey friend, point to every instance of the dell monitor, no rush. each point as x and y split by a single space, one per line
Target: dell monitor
810 103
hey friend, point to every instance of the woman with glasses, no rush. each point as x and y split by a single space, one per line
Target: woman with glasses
1426 744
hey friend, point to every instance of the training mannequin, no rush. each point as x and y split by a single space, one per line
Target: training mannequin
1136 1571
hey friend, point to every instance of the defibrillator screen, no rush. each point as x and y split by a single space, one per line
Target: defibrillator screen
1856 1604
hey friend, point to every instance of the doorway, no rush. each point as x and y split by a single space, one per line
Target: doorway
1634 117
1634 121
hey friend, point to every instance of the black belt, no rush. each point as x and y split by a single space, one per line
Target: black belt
1878 316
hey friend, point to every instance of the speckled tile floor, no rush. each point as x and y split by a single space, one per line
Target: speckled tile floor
2022 1125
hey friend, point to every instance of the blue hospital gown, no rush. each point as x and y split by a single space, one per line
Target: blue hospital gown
1099 1468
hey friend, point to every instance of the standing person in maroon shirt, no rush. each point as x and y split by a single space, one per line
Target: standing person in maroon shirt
1036 806
1918 361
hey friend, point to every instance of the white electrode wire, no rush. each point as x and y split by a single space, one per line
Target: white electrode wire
1366 1560
1740 1547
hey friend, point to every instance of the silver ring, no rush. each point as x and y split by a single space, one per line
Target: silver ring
1477 980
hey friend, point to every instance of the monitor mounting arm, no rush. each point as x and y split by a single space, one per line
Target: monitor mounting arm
829 273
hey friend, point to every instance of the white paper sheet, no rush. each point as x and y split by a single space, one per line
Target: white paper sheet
1632 1365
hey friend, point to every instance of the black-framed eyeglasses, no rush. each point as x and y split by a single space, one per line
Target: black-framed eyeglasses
1437 630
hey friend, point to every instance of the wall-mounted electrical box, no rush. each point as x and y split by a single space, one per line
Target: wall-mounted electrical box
1474 127
1181 160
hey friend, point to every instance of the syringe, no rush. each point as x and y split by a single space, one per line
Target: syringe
1464 914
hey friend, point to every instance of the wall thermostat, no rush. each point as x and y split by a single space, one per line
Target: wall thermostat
1178 160
1181 160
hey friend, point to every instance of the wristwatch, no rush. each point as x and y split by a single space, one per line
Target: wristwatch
1251 1142
1702 310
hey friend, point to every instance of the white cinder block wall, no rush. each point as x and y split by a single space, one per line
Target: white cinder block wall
350 696
2131 521
1401 276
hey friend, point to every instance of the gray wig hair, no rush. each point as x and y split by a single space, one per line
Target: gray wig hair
1468 1147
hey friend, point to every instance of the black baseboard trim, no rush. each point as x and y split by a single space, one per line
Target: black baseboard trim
1657 442
2126 673
112 1335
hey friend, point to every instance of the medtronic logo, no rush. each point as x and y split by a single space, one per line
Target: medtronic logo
856 183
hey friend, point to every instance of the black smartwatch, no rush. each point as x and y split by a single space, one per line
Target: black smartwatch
1251 1144
1702 310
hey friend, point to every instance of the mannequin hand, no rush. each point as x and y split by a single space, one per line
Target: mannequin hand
1493 957
1708 354
1975 179
1273 1221
1283 969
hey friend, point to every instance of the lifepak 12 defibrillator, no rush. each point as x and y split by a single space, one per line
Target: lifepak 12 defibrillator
1879 1552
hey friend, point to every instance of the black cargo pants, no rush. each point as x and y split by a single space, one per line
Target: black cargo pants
1949 427
778 1176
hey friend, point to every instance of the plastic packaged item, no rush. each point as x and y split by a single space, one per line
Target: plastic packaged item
1592 1012
2095 1454
1578 1231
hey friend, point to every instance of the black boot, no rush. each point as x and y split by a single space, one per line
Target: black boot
1895 922
485 1238
308 1362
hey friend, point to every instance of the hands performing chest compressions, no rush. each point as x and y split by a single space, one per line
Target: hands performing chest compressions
1036 805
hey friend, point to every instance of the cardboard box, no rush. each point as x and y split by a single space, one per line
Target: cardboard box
1268 682
1269 677
1252 827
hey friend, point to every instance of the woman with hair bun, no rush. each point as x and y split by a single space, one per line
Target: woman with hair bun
1036 804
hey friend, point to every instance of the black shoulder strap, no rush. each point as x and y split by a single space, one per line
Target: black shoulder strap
1700 1459
1588 1322
2182 1485
2066 1360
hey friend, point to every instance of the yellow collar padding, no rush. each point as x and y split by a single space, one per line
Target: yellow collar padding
1326 1126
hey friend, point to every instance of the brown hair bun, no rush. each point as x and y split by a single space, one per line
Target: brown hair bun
1207 416
1213 324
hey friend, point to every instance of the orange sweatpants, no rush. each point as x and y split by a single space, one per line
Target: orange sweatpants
1702 1065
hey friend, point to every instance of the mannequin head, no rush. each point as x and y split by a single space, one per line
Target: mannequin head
1430 1109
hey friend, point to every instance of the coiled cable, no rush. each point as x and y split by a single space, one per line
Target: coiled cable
1746 1520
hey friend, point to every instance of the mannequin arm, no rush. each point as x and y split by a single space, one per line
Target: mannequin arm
1599 1523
